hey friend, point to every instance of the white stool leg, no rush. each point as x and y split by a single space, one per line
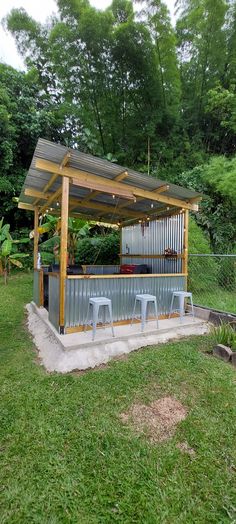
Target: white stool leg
111 319
143 313
171 305
87 317
95 319
156 313
181 307
132 319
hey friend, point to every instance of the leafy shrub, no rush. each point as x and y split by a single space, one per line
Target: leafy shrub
224 334
99 250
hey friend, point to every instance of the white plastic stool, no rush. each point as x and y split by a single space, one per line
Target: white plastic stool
96 303
144 299
181 295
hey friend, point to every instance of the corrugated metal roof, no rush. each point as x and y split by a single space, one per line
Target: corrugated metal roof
37 179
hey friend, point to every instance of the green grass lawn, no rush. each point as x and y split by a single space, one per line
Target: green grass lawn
67 458
219 298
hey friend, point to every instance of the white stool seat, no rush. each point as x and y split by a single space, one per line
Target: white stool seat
146 297
181 296
96 303
102 301
144 300
182 293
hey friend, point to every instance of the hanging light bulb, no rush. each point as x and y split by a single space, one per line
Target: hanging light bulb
51 208
148 218
113 196
152 205
46 210
58 203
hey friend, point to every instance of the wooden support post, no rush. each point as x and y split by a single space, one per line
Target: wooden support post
36 236
185 246
63 250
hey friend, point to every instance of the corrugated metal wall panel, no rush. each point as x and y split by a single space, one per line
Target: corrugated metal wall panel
122 293
102 270
53 300
153 239
36 287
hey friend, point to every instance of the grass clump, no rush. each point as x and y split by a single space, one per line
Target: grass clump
224 334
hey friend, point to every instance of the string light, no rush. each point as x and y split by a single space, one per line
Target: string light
152 205
46 210
58 203
148 218
113 196
51 208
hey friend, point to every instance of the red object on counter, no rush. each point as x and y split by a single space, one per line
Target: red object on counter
127 269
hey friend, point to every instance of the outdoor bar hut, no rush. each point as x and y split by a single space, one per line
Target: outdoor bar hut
152 216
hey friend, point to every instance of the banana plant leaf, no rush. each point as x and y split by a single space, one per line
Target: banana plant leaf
21 241
4 232
6 248
16 262
19 255
50 243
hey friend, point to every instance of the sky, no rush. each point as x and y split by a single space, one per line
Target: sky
39 11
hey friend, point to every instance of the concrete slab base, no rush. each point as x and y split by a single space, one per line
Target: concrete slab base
64 353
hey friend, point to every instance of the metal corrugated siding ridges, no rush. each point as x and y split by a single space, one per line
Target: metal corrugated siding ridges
53 296
102 270
159 235
122 293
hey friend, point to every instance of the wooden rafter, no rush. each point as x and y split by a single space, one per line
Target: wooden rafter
27 207
104 188
156 216
49 184
93 194
106 209
160 189
40 195
52 198
94 180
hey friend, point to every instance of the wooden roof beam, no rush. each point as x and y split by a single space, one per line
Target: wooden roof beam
36 194
113 186
164 214
52 198
63 163
104 188
65 160
160 189
27 207
93 194
195 199
106 209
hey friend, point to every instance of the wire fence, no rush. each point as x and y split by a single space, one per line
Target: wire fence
212 280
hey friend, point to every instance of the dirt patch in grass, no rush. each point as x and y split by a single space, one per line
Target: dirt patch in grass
185 448
157 420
